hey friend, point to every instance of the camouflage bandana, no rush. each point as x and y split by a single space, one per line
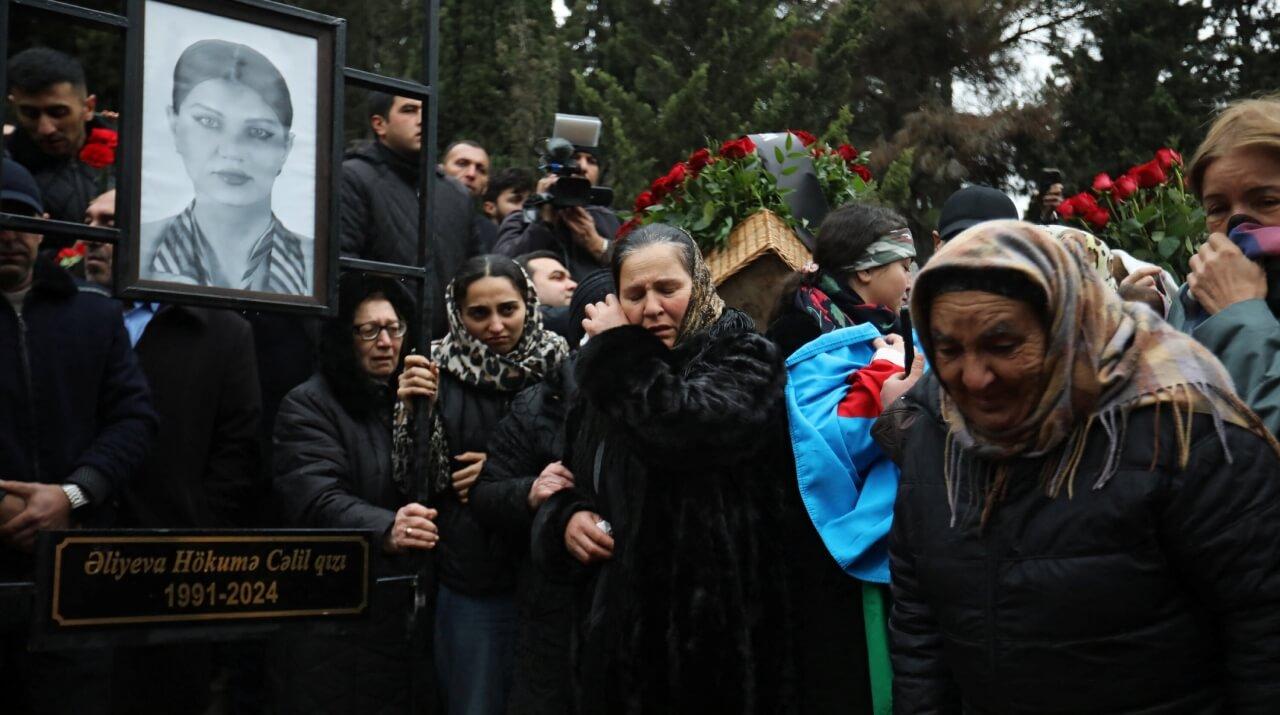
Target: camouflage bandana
893 246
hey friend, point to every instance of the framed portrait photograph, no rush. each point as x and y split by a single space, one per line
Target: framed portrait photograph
233 156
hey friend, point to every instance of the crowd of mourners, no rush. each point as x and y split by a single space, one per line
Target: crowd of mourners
1029 475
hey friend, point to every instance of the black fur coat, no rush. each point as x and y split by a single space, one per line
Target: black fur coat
685 452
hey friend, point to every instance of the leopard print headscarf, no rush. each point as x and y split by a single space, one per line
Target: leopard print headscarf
536 354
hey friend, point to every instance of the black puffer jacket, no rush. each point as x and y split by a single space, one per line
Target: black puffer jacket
332 458
1159 593
380 220
685 453
516 237
471 559
529 438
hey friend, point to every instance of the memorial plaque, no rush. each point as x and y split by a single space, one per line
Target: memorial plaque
97 579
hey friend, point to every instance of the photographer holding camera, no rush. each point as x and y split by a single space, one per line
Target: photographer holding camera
568 215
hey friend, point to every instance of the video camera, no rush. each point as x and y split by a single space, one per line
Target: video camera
572 134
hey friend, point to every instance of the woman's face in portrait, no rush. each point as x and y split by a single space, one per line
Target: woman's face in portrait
655 289
493 313
231 142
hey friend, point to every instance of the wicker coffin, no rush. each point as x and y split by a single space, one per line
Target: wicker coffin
751 269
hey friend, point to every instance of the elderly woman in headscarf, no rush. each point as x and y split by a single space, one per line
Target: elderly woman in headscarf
678 448
1088 518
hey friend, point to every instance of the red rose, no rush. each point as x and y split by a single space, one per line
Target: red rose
644 201
699 160
99 135
1098 218
1124 187
627 227
1085 200
100 148
1102 183
805 137
738 148
1149 174
670 182
863 171
1067 209
98 155
1167 158
848 153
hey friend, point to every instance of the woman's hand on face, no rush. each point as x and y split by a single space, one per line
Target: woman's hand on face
553 478
585 540
413 528
1221 276
465 478
420 378
603 315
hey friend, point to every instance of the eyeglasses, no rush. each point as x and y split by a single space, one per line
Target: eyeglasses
371 331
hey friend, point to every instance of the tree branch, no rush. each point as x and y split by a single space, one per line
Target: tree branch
1023 32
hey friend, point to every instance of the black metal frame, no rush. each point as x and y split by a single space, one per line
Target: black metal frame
330 34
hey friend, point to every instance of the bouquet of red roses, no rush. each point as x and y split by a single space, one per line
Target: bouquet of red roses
1147 212
719 186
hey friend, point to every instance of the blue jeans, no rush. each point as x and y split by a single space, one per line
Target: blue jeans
475 651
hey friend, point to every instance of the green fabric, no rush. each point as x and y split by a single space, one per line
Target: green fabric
875 619
1246 338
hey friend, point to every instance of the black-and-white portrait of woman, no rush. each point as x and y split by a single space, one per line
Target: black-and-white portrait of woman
229 158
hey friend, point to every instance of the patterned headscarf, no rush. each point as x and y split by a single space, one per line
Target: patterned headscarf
535 355
1104 358
1097 253
705 304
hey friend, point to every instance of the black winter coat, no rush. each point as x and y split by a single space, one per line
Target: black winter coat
333 470
1159 593
203 471
529 438
471 559
380 220
74 406
517 237
67 185
685 453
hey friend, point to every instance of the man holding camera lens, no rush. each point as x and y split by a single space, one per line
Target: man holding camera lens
570 222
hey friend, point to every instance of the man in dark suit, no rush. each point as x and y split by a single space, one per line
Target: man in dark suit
203 471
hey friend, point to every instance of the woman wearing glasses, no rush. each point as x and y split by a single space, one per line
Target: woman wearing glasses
495 348
333 469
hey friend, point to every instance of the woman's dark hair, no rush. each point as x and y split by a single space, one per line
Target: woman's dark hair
337 358
488 265
653 234
219 59
846 234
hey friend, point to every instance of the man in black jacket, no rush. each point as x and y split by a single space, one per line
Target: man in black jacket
55 115
75 424
579 235
379 197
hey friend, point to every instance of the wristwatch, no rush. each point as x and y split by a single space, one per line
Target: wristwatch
75 495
